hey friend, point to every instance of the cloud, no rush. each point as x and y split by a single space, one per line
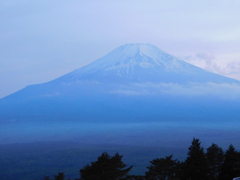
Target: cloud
209 62
224 90
131 92
205 56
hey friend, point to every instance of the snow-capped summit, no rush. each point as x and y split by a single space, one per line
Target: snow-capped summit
139 63
130 55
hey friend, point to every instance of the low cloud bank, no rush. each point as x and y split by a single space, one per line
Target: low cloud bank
223 90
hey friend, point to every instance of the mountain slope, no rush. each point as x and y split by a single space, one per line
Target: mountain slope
133 83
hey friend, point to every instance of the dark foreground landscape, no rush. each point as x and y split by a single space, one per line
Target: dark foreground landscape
63 160
69 147
33 161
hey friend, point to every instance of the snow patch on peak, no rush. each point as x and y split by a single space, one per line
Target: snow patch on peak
145 64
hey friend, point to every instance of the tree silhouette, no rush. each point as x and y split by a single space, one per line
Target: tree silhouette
214 165
162 168
60 176
215 157
105 168
47 178
195 166
231 164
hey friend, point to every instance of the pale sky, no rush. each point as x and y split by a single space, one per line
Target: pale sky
42 40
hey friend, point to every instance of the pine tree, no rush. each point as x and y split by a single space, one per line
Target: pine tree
231 164
215 156
105 168
60 176
195 166
162 168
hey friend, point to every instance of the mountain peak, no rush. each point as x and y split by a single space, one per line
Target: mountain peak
131 62
139 48
138 63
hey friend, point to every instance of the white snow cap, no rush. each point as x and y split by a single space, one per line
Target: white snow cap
127 54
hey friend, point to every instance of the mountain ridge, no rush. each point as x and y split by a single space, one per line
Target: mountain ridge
141 63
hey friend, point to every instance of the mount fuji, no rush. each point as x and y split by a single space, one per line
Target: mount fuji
133 83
